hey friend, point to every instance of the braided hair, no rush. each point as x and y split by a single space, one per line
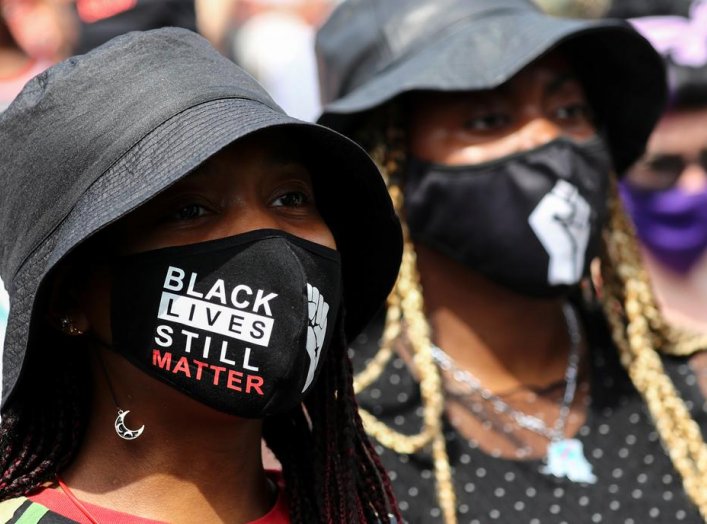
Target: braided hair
45 420
332 473
348 483
638 330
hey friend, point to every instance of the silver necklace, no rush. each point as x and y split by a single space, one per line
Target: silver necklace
565 457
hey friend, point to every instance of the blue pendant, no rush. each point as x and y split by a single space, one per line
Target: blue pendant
565 458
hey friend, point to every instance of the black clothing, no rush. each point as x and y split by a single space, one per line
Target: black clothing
637 483
143 16
638 8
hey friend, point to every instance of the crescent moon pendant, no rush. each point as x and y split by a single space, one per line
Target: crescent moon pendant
124 431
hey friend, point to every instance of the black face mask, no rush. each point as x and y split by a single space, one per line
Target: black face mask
239 324
530 222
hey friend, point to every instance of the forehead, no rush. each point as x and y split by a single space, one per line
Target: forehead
548 67
267 148
680 131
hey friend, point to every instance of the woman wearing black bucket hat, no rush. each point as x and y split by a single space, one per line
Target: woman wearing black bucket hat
497 390
176 294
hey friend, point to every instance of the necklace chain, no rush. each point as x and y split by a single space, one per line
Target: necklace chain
524 420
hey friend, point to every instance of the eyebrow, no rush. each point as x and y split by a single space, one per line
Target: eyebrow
287 158
560 81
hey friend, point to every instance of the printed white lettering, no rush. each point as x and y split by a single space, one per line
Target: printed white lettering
263 301
190 289
234 296
175 279
164 336
246 361
207 348
240 325
218 290
189 336
224 348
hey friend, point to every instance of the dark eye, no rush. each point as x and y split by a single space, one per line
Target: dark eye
574 112
488 122
292 199
190 212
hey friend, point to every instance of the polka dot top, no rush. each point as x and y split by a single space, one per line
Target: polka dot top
636 482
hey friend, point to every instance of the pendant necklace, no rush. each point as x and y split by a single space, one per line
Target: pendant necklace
565 456
121 428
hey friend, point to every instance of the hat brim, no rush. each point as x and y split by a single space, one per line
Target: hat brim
351 196
623 74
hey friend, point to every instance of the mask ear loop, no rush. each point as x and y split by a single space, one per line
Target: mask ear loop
122 430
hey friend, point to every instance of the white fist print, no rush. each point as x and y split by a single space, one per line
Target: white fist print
316 330
561 223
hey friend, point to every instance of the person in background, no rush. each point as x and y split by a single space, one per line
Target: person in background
101 20
501 385
44 29
274 41
666 190
16 66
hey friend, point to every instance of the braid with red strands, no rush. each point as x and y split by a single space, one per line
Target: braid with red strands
332 474
42 427
348 484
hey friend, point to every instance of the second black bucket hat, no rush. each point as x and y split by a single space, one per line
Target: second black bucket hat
371 51
96 136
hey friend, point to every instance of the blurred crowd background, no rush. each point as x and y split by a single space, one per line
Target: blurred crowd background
274 40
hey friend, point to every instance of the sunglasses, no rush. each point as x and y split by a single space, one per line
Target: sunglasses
660 172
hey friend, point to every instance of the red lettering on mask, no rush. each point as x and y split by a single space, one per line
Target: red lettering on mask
182 366
161 361
232 379
254 382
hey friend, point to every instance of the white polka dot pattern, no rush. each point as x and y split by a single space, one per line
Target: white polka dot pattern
637 483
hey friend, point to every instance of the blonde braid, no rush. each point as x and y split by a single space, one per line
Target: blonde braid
637 328
406 316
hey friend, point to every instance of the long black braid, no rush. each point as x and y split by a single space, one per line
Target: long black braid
43 425
348 483
331 472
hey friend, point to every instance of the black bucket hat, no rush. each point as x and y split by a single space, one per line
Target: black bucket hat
98 135
371 51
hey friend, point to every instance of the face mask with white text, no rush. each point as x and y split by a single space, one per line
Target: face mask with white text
239 324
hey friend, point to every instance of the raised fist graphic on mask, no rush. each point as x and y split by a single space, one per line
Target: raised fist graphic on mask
316 330
561 223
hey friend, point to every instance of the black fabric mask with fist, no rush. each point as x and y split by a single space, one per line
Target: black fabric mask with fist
530 222
239 324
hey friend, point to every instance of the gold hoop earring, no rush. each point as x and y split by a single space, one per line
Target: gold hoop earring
67 326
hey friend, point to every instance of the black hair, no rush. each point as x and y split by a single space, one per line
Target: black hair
332 473
688 86
638 8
